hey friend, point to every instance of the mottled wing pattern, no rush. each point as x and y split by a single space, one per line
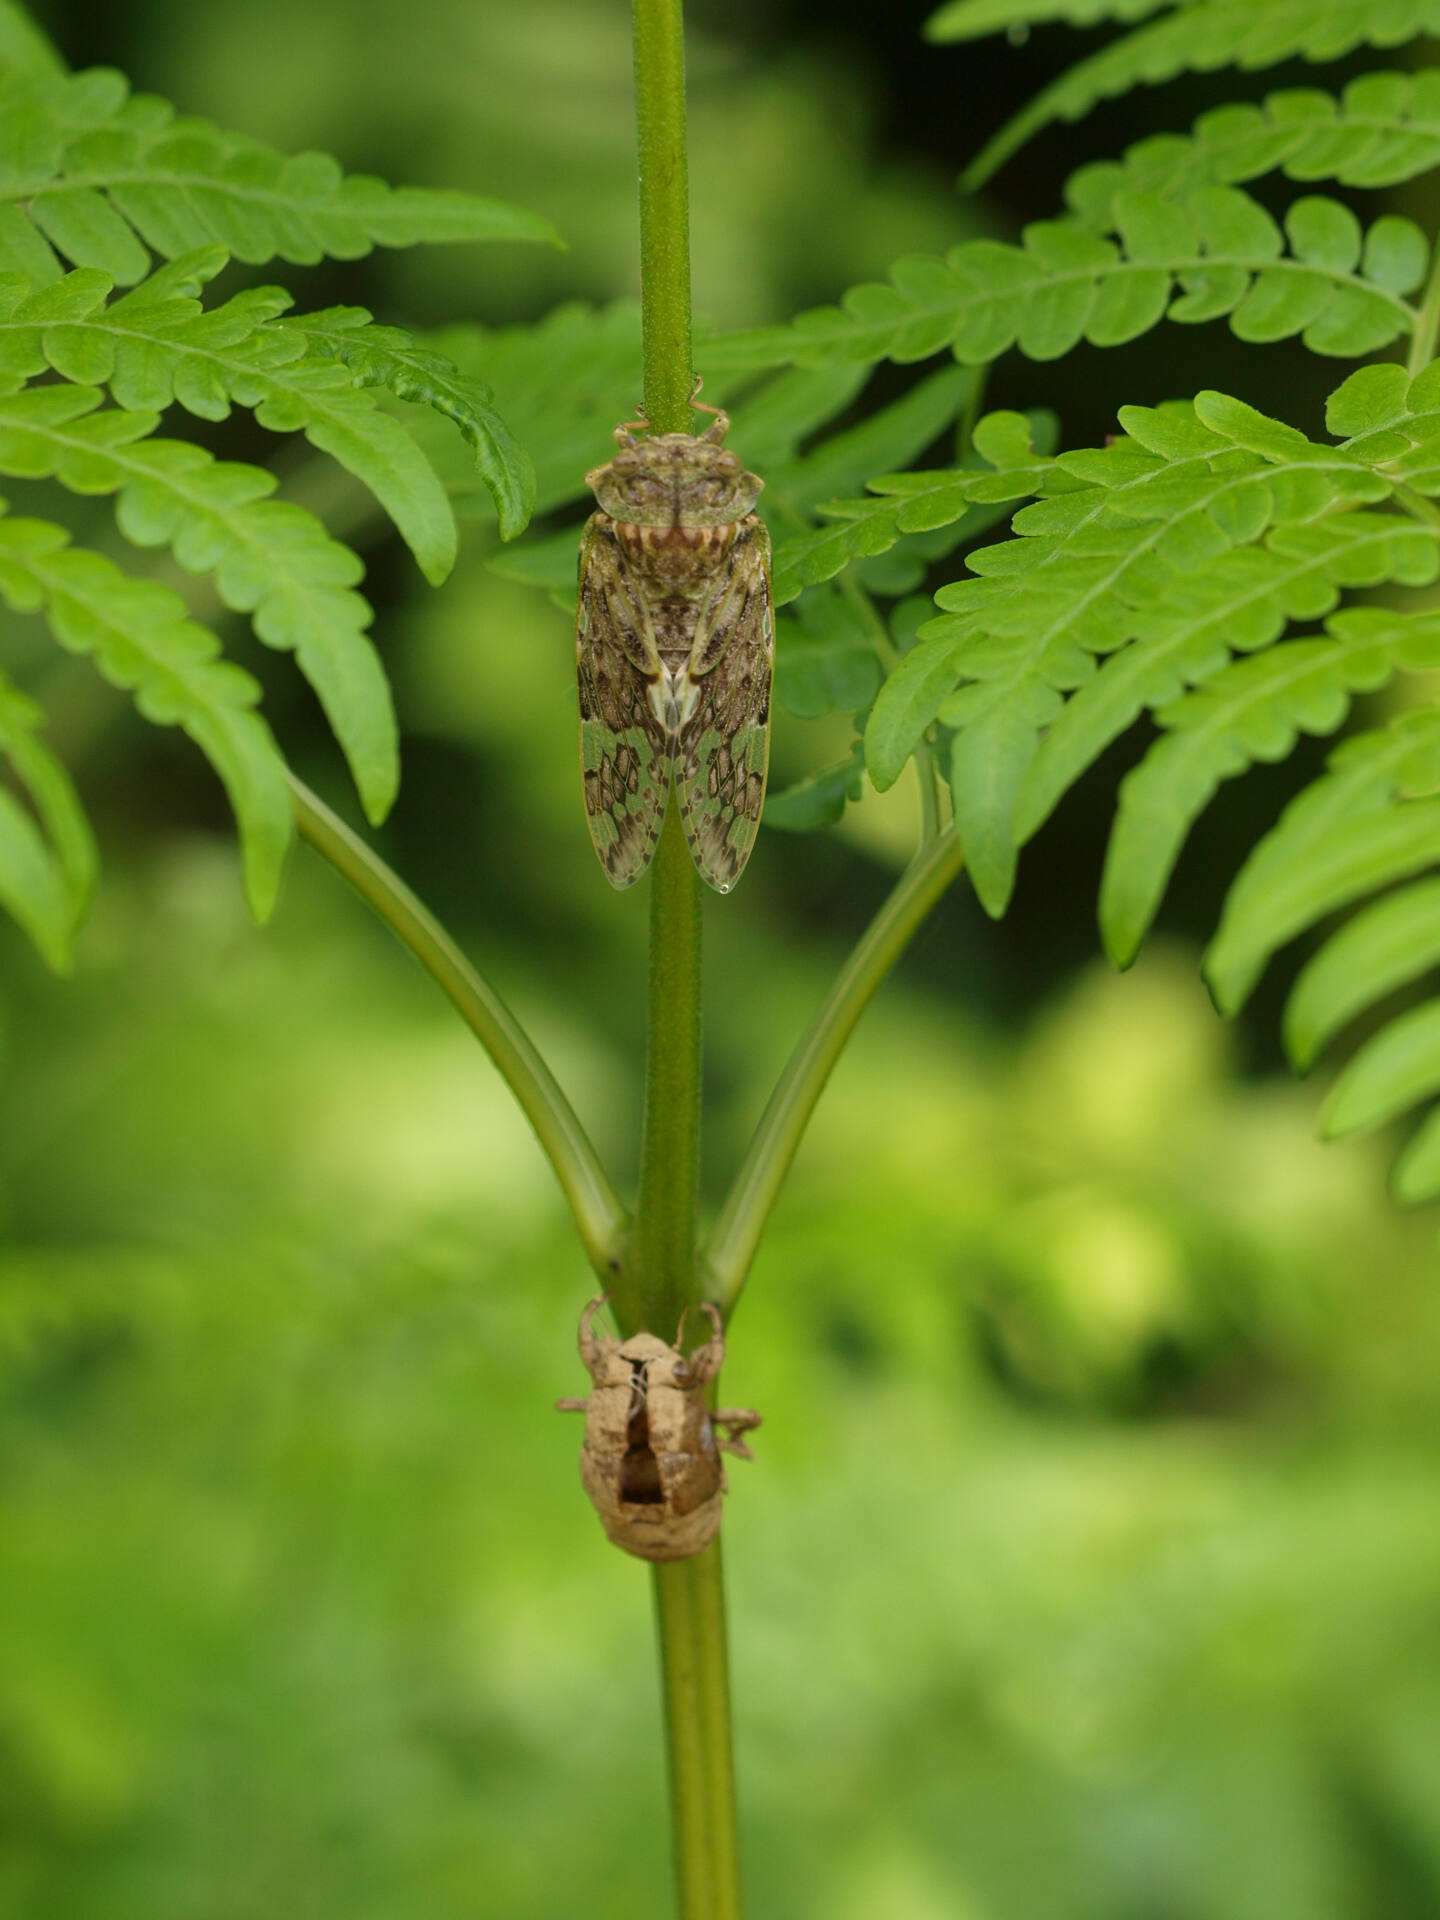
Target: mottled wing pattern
624 752
724 745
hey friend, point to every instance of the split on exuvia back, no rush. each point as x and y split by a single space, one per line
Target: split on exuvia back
650 1460
674 647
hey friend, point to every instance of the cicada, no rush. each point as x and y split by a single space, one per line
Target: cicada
674 644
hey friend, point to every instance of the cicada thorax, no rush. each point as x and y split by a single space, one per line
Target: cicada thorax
676 561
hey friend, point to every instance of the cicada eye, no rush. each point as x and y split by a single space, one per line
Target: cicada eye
728 463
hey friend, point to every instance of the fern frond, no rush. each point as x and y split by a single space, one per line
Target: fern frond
826 658
1383 129
1344 837
23 47
1209 253
965 500
389 357
1395 1068
564 421
777 415
270 559
889 438
1201 36
1251 710
143 640
975 19
1370 821
821 799
1112 554
1386 945
1239 603
898 504
48 862
158 344
102 178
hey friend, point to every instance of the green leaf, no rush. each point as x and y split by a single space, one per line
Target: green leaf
1384 947
1135 547
820 800
157 344
1252 710
317 399
31 889
1417 1171
23 47
1383 129
867 527
964 500
388 357
1395 1068
1213 245
565 424
549 563
825 658
1203 38
1344 837
907 705
974 19
1242 601
105 178
270 559
777 415
142 639
82 225
46 878
885 440
988 762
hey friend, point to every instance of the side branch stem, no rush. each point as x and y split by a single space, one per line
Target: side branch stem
1427 323
731 1247
598 1214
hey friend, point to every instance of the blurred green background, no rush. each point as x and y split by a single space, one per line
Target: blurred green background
1090 1566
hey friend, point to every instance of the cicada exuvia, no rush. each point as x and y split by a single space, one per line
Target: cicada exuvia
674 644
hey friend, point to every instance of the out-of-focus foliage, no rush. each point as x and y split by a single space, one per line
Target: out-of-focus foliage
1088 1565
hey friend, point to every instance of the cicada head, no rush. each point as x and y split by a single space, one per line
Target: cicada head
675 479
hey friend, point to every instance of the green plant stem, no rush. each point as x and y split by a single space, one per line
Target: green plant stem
598 1214
1419 507
930 823
664 212
1427 324
731 1247
690 1617
659 1268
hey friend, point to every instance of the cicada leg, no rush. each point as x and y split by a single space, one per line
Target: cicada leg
735 1420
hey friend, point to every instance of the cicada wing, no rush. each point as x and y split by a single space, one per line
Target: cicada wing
724 743
624 751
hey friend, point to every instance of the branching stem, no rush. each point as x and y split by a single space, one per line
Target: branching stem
599 1217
